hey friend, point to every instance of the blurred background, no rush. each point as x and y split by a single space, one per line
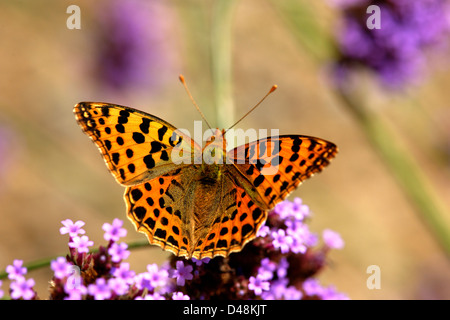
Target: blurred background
334 77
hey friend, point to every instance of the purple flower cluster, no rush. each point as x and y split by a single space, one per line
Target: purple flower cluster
132 46
279 264
396 52
20 287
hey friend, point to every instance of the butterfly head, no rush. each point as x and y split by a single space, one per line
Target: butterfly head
214 151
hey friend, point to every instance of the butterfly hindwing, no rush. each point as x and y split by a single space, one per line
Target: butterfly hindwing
156 208
136 146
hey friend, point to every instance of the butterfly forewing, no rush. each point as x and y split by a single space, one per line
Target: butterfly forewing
275 166
136 146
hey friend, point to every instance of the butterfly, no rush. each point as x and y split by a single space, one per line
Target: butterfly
188 203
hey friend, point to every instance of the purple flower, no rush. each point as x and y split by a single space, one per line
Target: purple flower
332 239
296 209
118 286
263 231
22 288
292 293
74 292
154 296
16 270
114 231
276 290
81 243
73 229
119 252
198 263
182 273
123 272
100 290
153 278
258 284
299 232
61 267
330 293
282 269
180 296
281 240
312 287
266 269
396 52
133 43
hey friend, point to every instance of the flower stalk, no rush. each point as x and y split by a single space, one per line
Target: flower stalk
221 61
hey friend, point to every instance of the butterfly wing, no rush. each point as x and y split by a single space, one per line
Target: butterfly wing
136 146
271 168
256 177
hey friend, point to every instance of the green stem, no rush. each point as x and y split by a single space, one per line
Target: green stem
43 263
221 57
407 172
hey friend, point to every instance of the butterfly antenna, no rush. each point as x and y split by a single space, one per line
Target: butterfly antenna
274 87
192 99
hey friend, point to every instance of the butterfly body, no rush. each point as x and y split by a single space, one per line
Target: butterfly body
193 201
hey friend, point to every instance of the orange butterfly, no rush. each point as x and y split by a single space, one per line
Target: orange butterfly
192 207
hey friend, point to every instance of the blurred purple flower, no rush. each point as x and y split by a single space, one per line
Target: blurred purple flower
118 252
123 272
291 293
313 288
73 229
100 290
61 268
332 239
74 292
397 51
118 286
201 261
134 43
154 296
180 296
296 209
281 240
276 290
114 231
16 270
258 284
1 291
22 288
283 266
153 278
267 268
182 273
82 244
